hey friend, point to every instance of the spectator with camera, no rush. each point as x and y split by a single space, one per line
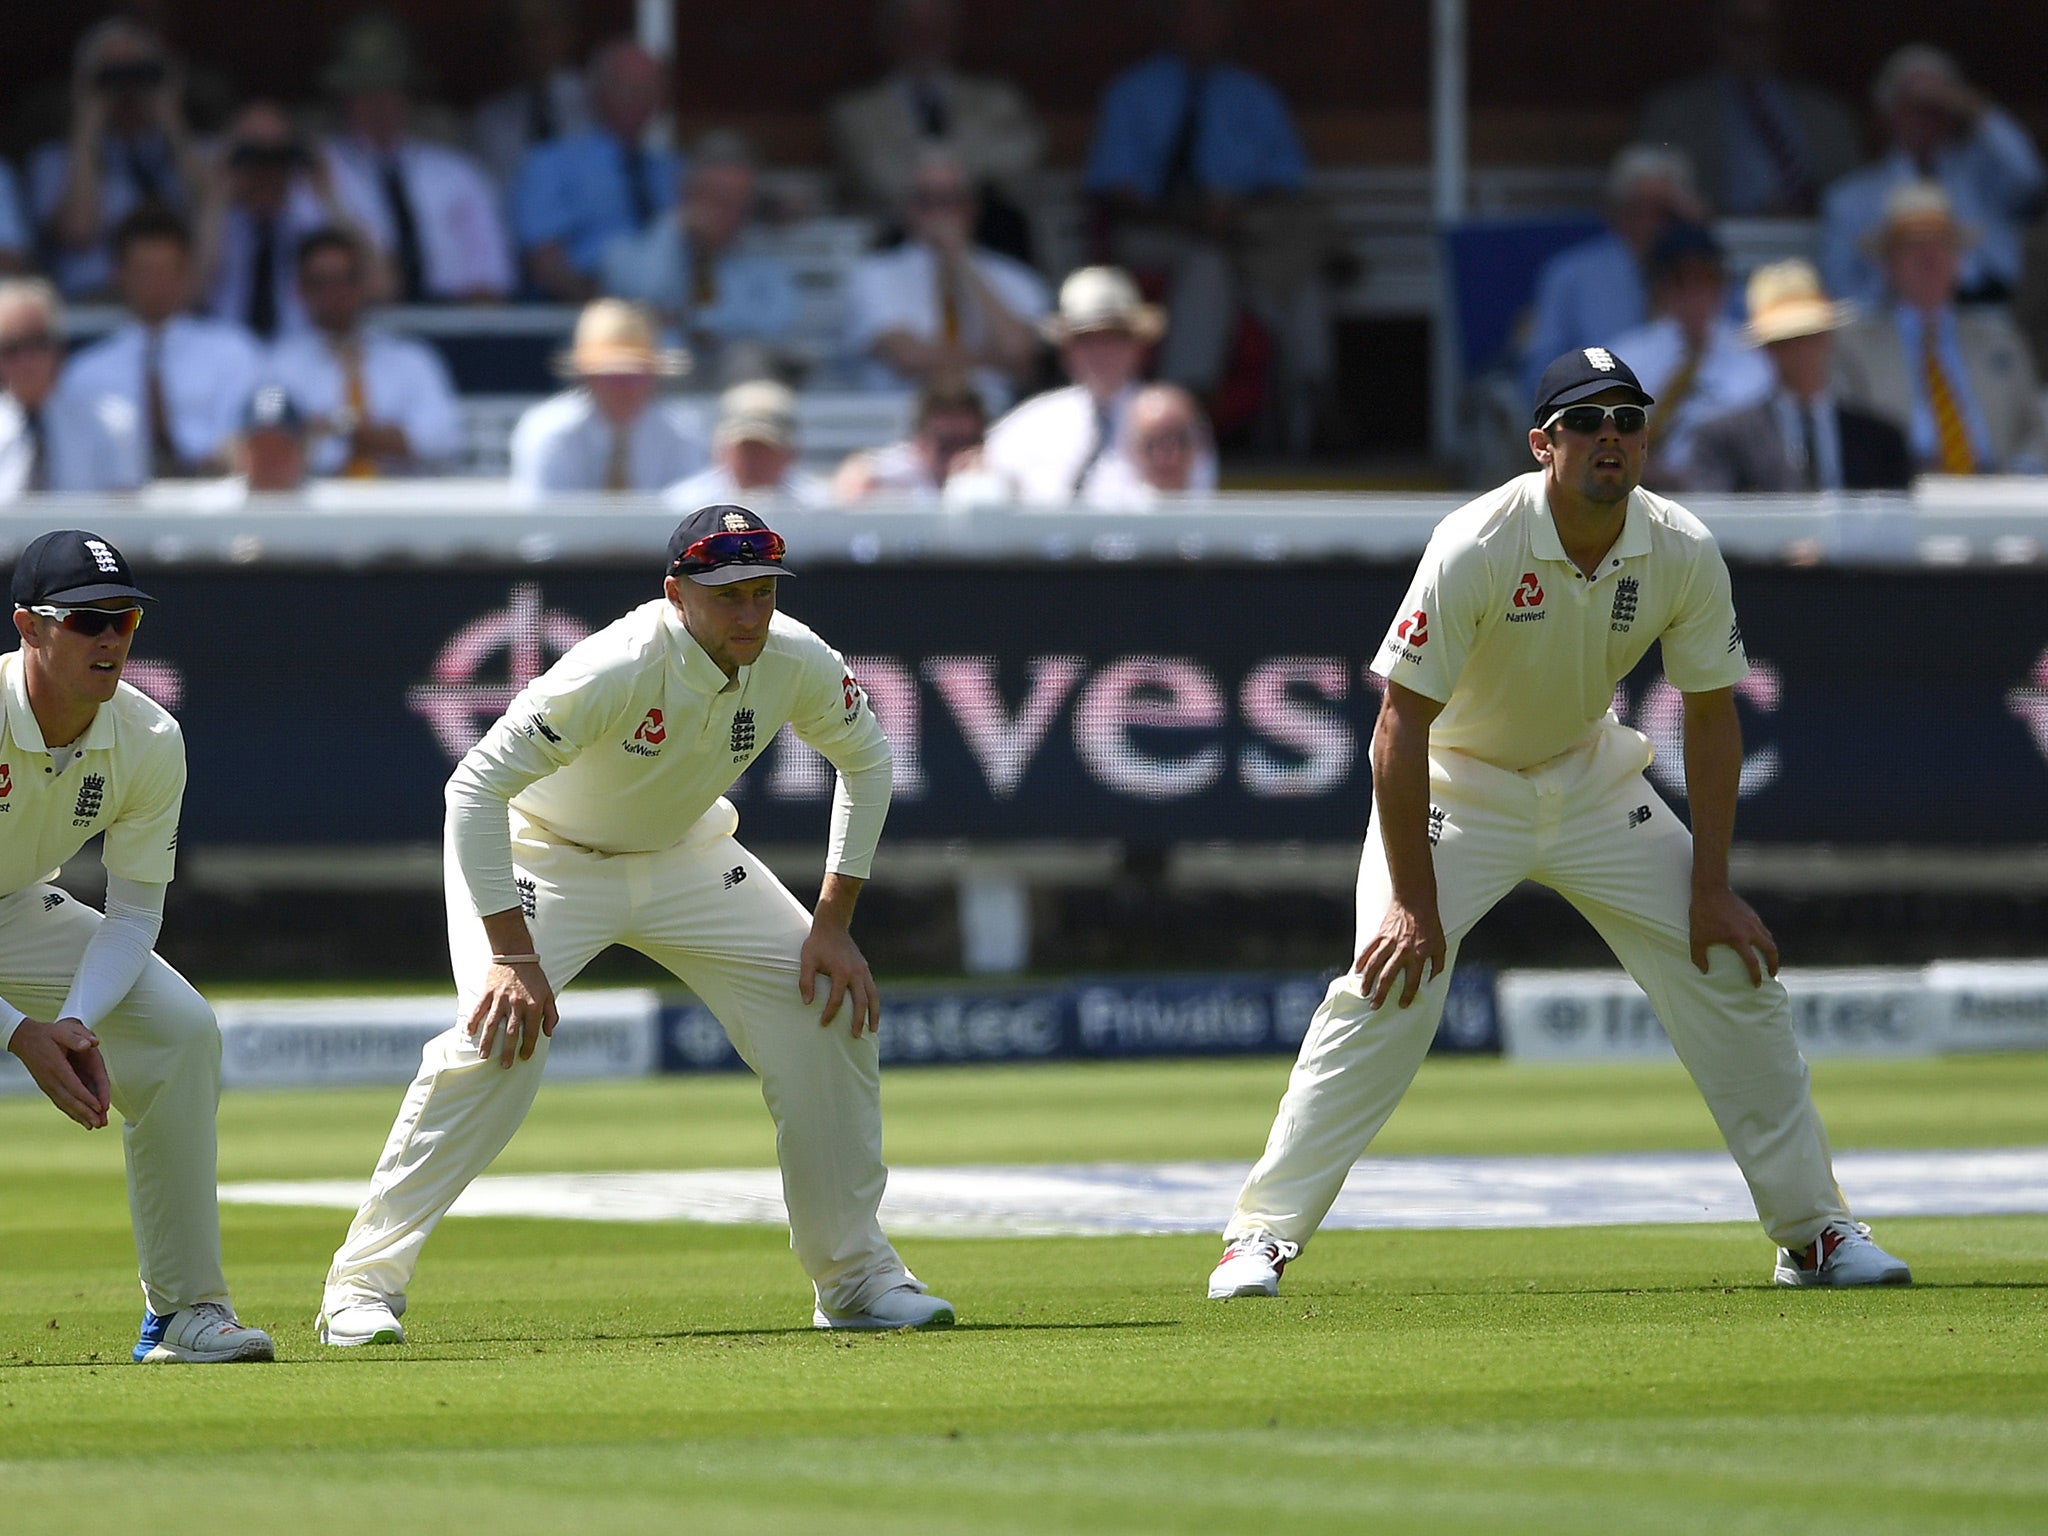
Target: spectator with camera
128 147
267 193
373 403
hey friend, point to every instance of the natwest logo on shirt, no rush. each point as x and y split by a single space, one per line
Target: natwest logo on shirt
1414 629
6 780
648 736
1527 600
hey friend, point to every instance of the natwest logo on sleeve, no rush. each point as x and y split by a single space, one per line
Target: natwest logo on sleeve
1414 629
1527 599
6 780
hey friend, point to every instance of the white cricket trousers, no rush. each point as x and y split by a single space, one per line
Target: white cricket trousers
711 913
162 1050
1588 825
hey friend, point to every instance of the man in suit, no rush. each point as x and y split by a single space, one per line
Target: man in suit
925 103
1959 383
1801 438
1761 142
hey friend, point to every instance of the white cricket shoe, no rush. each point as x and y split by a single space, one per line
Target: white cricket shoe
208 1333
1843 1254
363 1320
904 1307
1251 1266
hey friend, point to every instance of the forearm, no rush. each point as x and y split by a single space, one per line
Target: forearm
76 222
548 266
1713 777
116 953
1400 786
1012 344
836 898
508 933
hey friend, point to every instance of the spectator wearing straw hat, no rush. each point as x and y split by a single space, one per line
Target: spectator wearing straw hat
1959 383
1801 438
608 432
1046 447
753 454
1941 129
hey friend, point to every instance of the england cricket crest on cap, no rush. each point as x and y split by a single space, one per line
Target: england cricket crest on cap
736 523
103 557
1600 358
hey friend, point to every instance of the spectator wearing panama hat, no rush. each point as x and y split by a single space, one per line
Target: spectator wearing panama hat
608 431
1800 438
1045 448
1959 383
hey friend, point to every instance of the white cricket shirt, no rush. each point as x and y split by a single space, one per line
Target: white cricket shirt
632 738
128 781
1523 649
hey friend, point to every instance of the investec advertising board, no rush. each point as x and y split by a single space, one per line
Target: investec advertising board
1155 704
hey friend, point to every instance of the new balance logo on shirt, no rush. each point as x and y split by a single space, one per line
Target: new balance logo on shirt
1638 816
52 901
734 876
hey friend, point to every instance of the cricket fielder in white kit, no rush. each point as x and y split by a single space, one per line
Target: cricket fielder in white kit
594 814
1496 760
99 1021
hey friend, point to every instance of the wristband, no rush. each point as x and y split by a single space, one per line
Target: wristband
515 959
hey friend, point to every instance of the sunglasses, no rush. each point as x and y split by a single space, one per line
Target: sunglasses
33 341
1589 418
746 546
94 621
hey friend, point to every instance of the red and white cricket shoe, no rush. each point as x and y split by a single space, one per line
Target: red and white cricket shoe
1251 1266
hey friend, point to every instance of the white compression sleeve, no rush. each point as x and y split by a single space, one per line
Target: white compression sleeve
117 951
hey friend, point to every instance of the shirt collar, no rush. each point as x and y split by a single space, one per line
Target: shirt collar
1544 543
27 731
690 661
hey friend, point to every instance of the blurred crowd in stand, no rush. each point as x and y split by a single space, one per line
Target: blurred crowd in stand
249 267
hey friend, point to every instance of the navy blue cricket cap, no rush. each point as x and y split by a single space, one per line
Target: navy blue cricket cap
720 544
270 409
1683 242
69 566
1582 374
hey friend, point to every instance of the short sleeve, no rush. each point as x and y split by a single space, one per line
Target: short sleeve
142 843
1429 639
1703 642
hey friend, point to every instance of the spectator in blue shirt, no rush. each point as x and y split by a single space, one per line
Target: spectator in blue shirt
703 268
14 242
1592 292
578 193
1197 170
1945 131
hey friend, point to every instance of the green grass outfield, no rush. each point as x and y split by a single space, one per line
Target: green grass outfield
567 1376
